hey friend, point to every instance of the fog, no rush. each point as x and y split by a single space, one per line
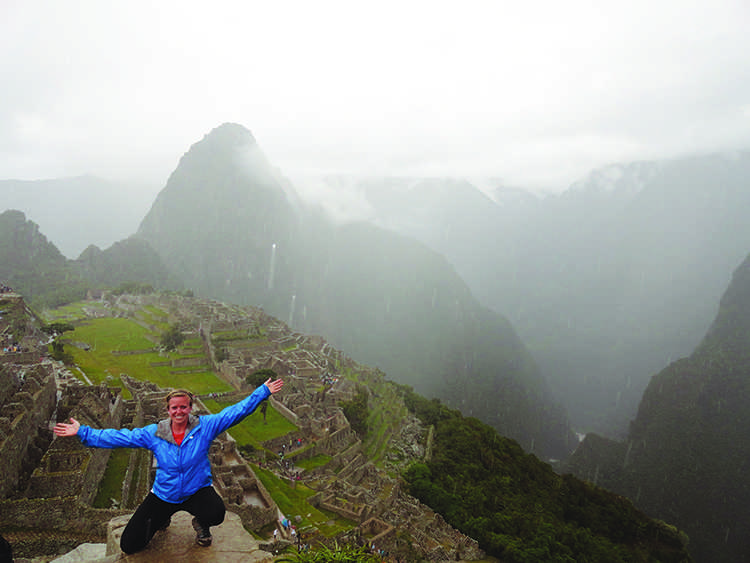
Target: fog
531 94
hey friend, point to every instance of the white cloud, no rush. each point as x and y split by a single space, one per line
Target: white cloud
533 92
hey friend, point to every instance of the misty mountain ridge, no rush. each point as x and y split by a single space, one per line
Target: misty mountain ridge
233 233
646 248
605 282
34 267
685 456
621 179
78 211
601 286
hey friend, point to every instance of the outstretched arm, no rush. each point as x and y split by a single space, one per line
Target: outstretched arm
63 429
274 386
232 414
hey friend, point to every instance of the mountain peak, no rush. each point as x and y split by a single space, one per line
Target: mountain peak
228 151
628 179
232 134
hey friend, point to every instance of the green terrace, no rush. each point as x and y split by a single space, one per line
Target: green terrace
103 348
252 431
107 347
386 412
72 312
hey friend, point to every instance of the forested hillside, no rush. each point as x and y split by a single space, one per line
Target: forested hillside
34 266
685 458
519 509
481 483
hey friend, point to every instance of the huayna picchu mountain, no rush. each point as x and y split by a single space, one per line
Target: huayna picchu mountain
687 456
230 227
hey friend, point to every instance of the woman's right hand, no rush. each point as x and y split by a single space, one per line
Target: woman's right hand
63 429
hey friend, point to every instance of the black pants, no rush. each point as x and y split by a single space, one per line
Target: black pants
153 513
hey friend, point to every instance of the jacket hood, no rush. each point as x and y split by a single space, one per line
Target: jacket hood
164 428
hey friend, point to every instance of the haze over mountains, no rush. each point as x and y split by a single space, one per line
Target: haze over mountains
79 211
685 458
465 297
229 226
605 283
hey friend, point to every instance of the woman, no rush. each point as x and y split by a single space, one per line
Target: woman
180 444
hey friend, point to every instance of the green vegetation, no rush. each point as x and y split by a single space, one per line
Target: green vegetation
116 334
356 412
518 508
252 431
59 353
110 487
260 377
221 354
342 554
57 327
103 336
71 312
385 411
155 317
172 338
311 463
58 348
292 501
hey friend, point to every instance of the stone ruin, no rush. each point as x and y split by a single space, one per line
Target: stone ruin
48 491
27 400
349 484
49 488
242 491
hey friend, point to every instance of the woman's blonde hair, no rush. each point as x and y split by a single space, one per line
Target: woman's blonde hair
179 393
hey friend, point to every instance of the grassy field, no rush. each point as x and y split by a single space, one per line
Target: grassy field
383 420
155 316
71 312
110 486
292 501
105 335
313 462
252 431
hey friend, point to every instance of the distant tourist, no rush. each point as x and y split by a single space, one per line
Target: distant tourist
183 475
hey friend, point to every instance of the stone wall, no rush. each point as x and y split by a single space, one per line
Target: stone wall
283 411
68 468
66 514
236 482
25 412
24 358
376 531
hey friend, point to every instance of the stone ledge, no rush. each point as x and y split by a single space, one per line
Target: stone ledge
231 542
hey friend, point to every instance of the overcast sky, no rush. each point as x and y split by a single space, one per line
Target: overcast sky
534 93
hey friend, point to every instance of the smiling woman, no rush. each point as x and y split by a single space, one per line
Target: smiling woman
179 407
180 444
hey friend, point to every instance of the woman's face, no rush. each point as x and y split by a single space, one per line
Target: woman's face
179 408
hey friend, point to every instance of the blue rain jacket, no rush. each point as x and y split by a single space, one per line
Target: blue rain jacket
183 469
